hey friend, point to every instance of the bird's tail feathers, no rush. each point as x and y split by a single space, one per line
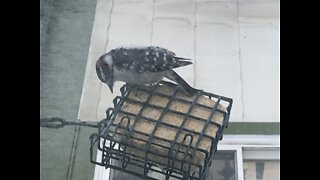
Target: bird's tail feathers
181 58
183 63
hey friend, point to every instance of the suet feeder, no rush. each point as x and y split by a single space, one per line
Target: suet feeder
162 131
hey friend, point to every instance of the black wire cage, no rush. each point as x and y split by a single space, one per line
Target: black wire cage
187 155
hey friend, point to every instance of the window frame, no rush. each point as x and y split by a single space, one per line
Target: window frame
241 143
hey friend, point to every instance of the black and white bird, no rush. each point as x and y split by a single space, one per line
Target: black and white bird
142 66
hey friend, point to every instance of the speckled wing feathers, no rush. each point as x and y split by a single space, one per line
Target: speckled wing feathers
149 59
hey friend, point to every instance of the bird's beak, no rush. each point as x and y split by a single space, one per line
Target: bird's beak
110 85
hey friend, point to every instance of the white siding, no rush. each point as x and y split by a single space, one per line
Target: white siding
234 45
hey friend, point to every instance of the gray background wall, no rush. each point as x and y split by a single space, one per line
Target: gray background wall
65 31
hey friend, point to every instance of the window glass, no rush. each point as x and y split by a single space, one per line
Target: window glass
223 166
261 169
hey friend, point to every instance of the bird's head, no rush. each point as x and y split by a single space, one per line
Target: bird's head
104 70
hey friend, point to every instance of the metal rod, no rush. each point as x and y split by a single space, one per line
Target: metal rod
57 123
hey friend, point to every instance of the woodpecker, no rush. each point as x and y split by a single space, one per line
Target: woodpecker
141 66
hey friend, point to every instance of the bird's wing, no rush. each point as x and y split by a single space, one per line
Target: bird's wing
150 59
172 75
